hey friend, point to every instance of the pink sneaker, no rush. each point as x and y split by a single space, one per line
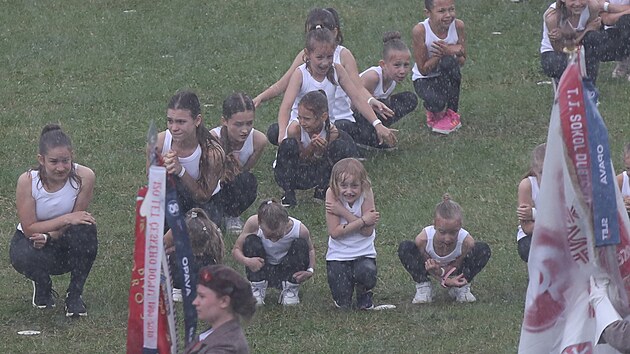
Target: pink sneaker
455 118
431 119
447 124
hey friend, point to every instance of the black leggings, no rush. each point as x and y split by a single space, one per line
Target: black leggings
238 194
345 276
297 259
74 252
413 261
441 91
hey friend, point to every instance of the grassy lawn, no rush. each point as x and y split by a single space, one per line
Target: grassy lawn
105 69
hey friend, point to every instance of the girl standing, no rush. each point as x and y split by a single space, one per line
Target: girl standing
381 80
192 155
56 234
243 146
276 251
439 51
527 196
351 218
224 299
446 252
341 113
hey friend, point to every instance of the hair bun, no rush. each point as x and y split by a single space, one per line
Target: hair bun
50 128
446 197
391 36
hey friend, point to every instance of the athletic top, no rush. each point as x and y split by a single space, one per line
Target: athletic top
445 260
51 205
429 38
190 163
342 108
378 91
532 180
277 250
310 84
354 245
248 146
545 44
625 185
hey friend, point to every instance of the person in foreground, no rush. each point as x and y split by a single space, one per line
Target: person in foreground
56 234
445 251
224 299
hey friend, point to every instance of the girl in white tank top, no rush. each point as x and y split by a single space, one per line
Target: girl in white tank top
527 196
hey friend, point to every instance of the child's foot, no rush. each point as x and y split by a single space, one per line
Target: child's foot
621 69
455 118
319 194
290 294
289 199
447 124
233 224
431 119
462 294
424 293
364 301
259 290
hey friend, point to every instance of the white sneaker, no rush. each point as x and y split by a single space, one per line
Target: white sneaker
424 293
177 295
233 224
462 294
289 295
259 290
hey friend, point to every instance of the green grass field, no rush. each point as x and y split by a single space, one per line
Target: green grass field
105 69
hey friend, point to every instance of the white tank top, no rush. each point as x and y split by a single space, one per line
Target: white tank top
445 260
190 163
625 185
310 84
378 91
429 38
354 245
246 151
51 205
545 43
277 250
535 187
342 109
305 139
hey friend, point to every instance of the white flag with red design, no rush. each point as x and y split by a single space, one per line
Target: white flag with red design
581 227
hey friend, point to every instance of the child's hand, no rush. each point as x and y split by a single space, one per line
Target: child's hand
302 276
457 281
524 212
626 202
371 218
432 266
334 208
254 263
594 25
171 162
319 146
439 49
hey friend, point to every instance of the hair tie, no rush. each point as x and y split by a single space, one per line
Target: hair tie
204 228
193 214
269 201
318 27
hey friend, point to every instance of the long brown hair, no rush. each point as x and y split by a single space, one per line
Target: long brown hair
235 103
206 239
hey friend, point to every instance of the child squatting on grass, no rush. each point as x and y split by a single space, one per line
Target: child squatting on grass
351 218
341 112
312 146
446 252
206 242
56 234
243 146
276 251
439 51
527 196
380 81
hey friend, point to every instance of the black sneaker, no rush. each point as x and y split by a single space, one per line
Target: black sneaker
364 301
289 199
319 194
75 306
43 296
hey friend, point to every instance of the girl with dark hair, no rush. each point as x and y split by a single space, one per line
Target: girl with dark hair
313 145
224 299
192 155
56 234
243 146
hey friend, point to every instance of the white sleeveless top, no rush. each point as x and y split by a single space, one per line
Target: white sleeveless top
305 139
342 109
354 245
378 91
248 146
444 260
51 205
625 185
535 187
310 84
277 250
429 38
190 163
545 43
